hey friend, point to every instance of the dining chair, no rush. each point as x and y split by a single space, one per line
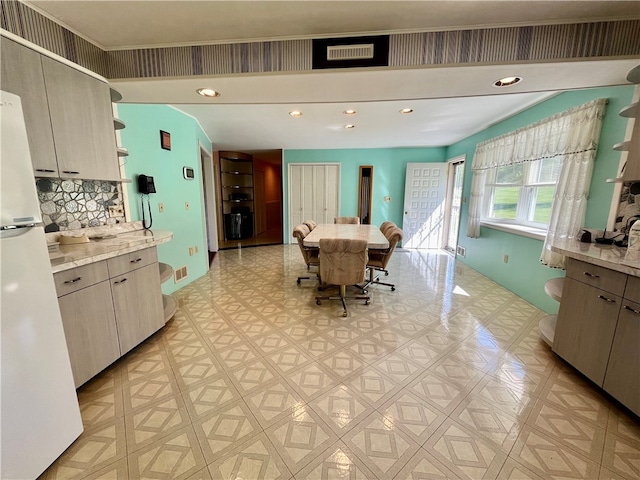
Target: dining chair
386 225
309 254
352 220
379 259
343 262
311 224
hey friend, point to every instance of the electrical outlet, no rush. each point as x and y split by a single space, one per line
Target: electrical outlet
505 259
387 199
187 206
161 207
191 251
462 251
116 211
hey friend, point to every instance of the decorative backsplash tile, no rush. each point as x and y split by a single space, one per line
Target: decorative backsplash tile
72 204
629 206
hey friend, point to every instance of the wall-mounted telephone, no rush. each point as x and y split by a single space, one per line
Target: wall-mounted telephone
146 185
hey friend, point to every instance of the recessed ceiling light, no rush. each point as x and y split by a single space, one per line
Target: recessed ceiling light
506 81
404 111
208 92
349 112
295 113
349 126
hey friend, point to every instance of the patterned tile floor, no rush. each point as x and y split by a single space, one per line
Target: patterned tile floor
443 378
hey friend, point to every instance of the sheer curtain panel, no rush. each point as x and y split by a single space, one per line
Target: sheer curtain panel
572 135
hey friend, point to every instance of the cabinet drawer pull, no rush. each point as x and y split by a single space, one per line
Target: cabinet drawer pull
591 275
120 281
136 260
73 172
46 170
77 279
606 299
633 310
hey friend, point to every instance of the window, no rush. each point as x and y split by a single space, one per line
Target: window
522 193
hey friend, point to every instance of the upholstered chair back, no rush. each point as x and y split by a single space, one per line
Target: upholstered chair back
380 258
352 220
299 233
343 261
386 226
311 224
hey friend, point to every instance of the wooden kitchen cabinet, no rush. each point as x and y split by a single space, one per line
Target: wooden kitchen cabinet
586 324
28 83
68 115
137 301
109 307
82 123
90 330
623 370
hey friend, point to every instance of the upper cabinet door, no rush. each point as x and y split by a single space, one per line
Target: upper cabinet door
21 74
82 123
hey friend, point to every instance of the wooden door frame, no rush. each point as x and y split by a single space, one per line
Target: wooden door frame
448 197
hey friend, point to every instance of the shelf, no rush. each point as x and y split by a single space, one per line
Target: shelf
622 146
170 306
631 111
553 288
634 75
118 124
166 272
122 152
547 328
116 96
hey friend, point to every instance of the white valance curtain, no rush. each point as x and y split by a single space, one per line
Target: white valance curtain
572 134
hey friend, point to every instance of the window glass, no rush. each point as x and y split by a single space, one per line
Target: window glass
543 197
510 174
546 170
505 202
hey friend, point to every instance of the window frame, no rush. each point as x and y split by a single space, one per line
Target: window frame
527 189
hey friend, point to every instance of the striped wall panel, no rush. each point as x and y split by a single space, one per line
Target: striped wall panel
17 18
512 44
509 44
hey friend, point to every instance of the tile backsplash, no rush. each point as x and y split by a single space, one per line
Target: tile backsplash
71 204
629 206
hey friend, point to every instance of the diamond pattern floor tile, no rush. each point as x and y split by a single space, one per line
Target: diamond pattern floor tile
252 380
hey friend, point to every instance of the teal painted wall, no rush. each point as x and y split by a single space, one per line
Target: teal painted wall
142 138
389 166
523 274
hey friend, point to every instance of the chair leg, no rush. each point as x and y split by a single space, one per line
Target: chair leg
376 279
342 297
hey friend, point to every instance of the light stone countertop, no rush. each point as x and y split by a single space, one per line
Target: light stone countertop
127 239
607 256
371 233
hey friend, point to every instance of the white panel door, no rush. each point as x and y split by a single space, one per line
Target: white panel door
314 193
332 194
424 203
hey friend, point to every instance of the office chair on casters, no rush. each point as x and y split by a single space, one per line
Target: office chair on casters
352 220
343 262
310 255
378 259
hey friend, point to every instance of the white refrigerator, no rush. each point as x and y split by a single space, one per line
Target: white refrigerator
39 412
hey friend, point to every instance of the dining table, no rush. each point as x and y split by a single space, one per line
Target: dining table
371 233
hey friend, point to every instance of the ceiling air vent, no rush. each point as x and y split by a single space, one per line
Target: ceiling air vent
351 52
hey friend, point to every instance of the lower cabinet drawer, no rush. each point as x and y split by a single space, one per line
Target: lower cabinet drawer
80 277
90 330
596 276
130 261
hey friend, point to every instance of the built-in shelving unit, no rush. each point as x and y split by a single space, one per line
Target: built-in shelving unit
168 302
547 325
236 180
630 171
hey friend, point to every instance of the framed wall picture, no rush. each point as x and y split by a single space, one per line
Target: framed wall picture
165 140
